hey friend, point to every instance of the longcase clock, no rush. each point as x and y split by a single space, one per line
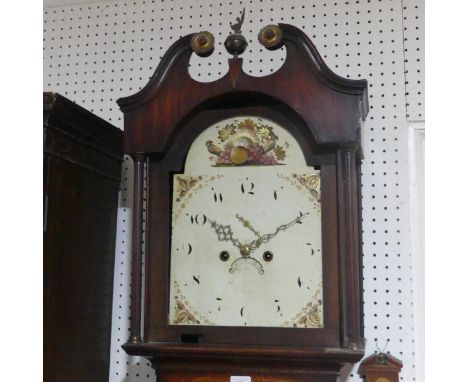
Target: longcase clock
253 238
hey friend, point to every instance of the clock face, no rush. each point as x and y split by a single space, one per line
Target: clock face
246 230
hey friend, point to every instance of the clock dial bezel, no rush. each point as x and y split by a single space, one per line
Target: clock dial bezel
160 171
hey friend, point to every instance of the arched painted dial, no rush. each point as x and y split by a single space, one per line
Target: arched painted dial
246 241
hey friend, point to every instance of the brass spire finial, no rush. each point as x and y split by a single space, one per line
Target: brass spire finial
238 25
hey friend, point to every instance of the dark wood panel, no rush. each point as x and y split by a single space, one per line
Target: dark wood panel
81 184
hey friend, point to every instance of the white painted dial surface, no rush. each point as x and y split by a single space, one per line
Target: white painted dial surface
246 242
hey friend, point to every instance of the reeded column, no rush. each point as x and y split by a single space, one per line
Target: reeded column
137 247
350 250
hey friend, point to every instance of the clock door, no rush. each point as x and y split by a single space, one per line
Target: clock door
253 252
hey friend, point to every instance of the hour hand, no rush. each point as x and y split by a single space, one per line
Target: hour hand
224 232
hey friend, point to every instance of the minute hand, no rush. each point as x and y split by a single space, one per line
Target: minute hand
266 238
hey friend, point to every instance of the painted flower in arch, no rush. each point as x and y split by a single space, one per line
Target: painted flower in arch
280 153
247 124
266 133
226 132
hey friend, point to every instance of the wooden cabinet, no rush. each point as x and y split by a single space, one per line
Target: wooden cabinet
82 169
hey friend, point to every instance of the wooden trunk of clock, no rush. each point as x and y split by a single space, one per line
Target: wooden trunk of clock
302 110
255 376
82 164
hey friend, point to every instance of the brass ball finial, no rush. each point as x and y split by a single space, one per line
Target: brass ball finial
271 37
203 43
236 43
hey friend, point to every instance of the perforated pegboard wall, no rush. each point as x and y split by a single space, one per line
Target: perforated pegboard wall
413 31
96 53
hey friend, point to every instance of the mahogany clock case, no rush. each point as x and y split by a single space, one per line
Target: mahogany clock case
324 113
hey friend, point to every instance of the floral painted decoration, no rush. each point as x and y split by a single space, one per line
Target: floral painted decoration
310 316
246 142
184 314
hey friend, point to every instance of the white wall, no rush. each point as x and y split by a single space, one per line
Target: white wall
96 53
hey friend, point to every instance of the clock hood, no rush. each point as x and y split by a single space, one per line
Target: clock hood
304 83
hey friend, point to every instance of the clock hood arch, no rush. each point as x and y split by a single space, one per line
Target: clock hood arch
304 82
219 108
241 105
